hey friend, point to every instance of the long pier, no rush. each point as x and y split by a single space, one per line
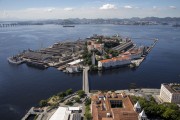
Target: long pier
150 48
85 80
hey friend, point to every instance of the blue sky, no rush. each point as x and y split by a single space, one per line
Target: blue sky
60 9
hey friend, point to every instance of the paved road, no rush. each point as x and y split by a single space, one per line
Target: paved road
85 79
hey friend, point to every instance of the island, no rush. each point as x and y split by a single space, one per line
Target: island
99 52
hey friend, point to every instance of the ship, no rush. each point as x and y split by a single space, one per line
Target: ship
15 60
68 25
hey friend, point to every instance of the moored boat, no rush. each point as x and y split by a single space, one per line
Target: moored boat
68 26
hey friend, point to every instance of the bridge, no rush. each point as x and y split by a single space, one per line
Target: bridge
85 80
8 24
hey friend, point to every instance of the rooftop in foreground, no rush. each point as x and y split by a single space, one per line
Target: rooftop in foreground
112 107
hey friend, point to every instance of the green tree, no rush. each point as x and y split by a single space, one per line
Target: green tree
167 111
88 101
69 103
88 116
81 93
69 91
167 114
61 94
43 103
106 56
77 99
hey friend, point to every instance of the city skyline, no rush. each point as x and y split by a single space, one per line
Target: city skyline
55 9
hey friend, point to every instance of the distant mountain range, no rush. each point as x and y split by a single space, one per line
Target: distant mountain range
117 21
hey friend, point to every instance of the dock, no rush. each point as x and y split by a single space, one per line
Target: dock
30 112
137 62
150 48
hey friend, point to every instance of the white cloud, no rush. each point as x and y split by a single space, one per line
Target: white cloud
128 7
172 7
107 7
50 9
68 9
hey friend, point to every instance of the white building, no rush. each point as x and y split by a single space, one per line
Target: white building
64 113
170 93
113 62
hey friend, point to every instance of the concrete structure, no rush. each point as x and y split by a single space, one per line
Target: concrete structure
66 113
85 80
32 111
93 59
72 69
114 62
112 106
170 93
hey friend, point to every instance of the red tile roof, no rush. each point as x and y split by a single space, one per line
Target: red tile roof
116 59
100 110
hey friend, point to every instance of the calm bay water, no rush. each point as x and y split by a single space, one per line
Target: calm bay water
22 87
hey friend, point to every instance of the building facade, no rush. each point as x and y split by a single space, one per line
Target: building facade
170 93
113 62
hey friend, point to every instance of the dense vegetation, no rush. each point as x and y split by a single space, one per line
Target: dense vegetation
88 115
53 101
86 57
81 93
43 103
166 111
114 53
